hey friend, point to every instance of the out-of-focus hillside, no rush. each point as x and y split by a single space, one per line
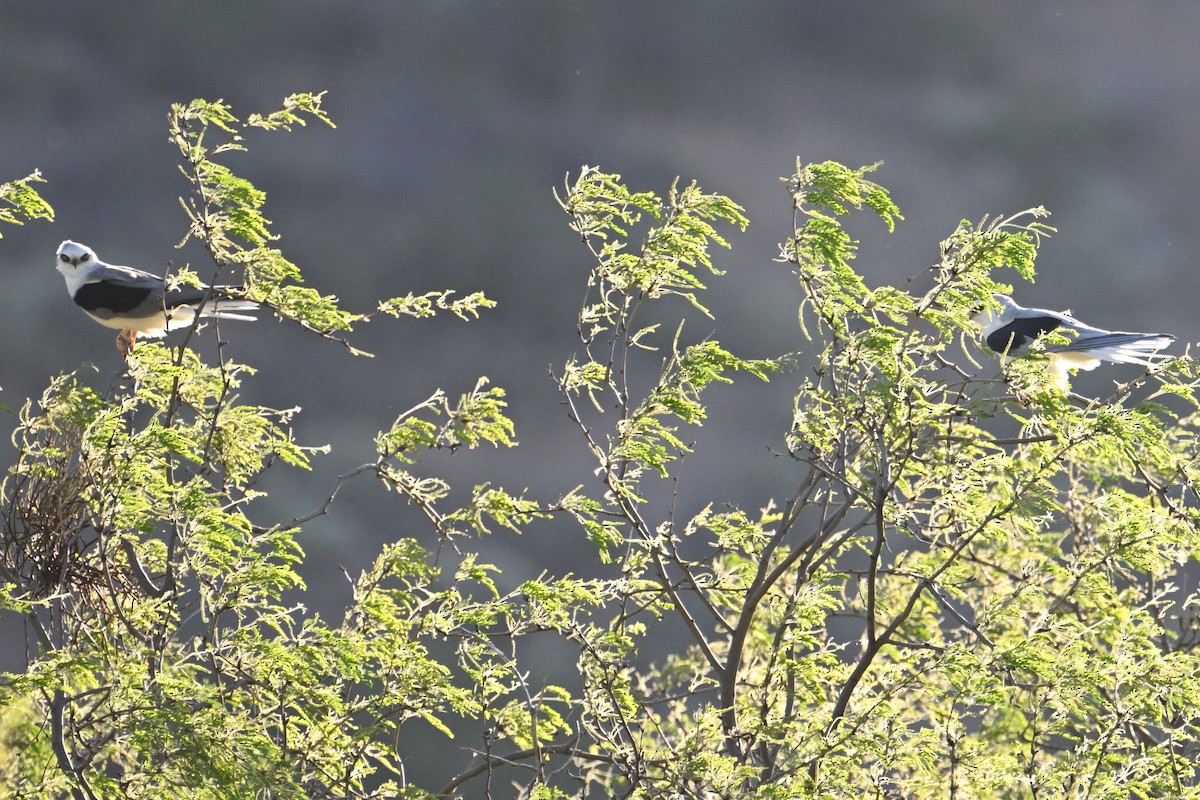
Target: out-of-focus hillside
455 119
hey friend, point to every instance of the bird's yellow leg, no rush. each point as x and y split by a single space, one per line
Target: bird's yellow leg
125 341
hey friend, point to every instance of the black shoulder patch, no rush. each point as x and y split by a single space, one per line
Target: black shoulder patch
1020 332
105 297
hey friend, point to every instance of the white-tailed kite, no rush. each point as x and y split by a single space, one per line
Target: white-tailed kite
1012 329
136 302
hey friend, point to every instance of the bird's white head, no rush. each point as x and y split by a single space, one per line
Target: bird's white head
1005 301
72 255
74 260
987 316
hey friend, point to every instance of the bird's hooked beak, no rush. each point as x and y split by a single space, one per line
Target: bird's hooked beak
984 313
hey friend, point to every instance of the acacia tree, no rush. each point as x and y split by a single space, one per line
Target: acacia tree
977 587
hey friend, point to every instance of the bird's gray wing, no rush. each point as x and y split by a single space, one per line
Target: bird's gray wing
120 292
1069 324
1108 339
125 276
113 290
1088 337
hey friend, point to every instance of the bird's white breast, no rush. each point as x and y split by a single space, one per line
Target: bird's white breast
74 276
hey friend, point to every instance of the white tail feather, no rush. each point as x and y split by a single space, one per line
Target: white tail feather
231 309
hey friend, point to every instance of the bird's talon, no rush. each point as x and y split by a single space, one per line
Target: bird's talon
125 341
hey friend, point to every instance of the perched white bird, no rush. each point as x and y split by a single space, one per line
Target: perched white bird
136 302
1013 328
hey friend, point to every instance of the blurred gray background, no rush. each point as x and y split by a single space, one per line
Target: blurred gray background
454 121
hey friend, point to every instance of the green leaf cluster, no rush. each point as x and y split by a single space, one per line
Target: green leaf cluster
226 214
20 201
673 254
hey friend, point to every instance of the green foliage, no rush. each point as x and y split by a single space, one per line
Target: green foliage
667 263
19 201
428 304
602 211
979 585
1002 562
166 660
225 213
478 417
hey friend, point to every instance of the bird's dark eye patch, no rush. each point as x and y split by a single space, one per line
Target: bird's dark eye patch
63 258
83 258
